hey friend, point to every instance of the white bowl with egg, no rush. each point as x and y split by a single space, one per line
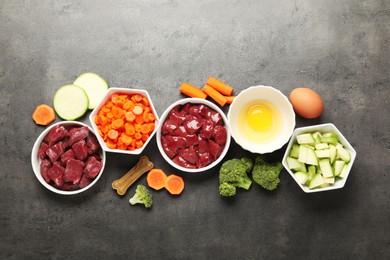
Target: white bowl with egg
261 119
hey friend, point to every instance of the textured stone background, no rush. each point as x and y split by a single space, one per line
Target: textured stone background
338 48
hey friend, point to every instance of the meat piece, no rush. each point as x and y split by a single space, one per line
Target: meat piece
214 116
180 131
214 149
220 134
183 163
170 150
204 159
178 117
57 133
192 125
42 150
93 145
186 107
207 129
80 150
97 156
56 173
73 171
77 133
92 167
65 186
189 154
191 140
44 168
85 181
203 146
55 151
175 141
168 127
66 156
197 110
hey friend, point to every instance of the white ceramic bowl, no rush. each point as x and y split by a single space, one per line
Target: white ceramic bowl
280 101
193 101
36 161
323 128
106 98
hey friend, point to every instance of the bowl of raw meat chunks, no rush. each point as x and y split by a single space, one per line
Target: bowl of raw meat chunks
67 158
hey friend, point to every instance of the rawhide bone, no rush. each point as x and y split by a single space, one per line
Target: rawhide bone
121 185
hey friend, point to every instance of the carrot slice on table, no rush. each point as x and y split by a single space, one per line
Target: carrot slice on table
156 179
43 115
229 99
220 86
174 184
192 91
215 95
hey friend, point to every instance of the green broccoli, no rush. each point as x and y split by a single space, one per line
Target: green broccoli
142 196
233 174
266 174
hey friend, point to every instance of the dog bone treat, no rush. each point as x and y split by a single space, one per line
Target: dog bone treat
121 185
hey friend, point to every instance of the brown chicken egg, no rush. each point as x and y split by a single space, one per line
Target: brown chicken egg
306 103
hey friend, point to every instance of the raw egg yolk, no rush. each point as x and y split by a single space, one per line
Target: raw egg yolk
259 118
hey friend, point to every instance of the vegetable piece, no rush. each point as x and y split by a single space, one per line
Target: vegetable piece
43 115
70 102
121 185
266 174
94 85
220 86
215 95
142 196
174 184
192 91
233 174
230 99
156 179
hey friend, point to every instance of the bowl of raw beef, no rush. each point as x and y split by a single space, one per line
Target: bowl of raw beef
194 135
67 158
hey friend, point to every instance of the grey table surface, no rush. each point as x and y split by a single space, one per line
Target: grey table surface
338 48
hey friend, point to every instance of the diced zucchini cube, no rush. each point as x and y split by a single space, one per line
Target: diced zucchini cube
343 153
301 177
295 165
305 139
338 167
321 146
325 153
317 137
302 153
294 153
326 168
329 180
317 181
311 157
333 153
344 171
330 138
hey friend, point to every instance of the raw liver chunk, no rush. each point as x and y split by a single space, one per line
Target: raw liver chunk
92 167
80 150
73 171
220 134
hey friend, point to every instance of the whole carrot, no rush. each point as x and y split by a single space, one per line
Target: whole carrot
220 86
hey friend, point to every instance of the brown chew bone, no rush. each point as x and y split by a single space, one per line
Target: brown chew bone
121 185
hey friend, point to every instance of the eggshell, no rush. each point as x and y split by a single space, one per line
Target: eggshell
306 103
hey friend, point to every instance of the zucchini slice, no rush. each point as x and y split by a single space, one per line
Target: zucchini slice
94 85
70 102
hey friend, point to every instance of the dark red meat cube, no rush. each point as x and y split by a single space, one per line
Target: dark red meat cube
93 145
207 129
77 133
73 171
189 154
186 107
65 142
97 156
80 150
180 131
197 110
203 146
183 163
168 127
169 149
220 134
66 156
56 173
44 168
42 150
191 140
178 117
55 151
204 159
192 125
174 110
92 167
214 149
214 116
84 182
65 186
57 133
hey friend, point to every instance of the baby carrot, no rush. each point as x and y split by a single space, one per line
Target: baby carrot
229 99
220 86
215 95
192 91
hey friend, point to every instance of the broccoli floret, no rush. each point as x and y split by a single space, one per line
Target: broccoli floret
266 174
234 173
227 190
142 196
248 163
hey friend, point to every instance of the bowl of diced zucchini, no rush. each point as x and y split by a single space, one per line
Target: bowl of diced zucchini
319 158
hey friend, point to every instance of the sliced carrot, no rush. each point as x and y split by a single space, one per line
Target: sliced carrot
118 123
215 95
145 129
137 135
130 117
137 110
139 143
174 184
220 86
139 119
130 130
117 112
137 98
43 115
126 139
144 137
192 91
110 144
229 99
156 179
112 134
